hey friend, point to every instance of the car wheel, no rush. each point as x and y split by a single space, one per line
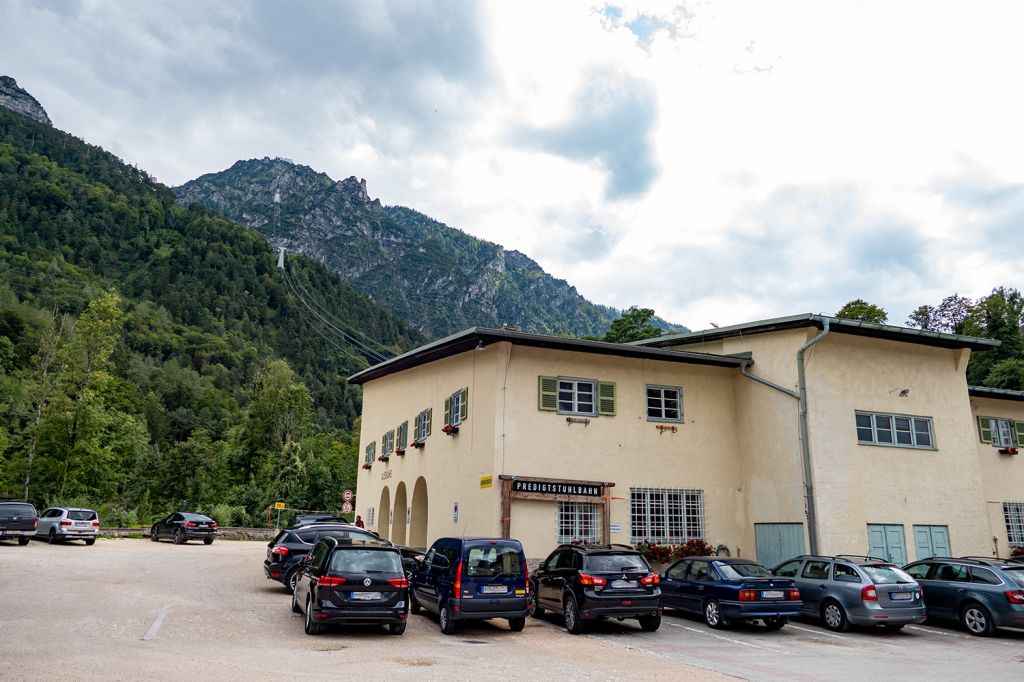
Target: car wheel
649 623
23 540
207 541
977 620
90 541
311 627
444 619
52 537
153 536
414 605
291 579
179 537
834 617
713 615
536 611
295 605
516 624
573 621
895 627
396 628
776 623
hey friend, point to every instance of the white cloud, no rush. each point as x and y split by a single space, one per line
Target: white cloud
718 162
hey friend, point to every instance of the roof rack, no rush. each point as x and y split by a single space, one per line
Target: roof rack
983 560
862 556
597 545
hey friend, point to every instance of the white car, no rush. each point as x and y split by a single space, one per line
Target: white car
58 524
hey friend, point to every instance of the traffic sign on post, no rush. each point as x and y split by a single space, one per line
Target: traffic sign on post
346 495
279 505
346 507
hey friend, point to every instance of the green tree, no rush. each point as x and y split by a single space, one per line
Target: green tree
859 309
633 325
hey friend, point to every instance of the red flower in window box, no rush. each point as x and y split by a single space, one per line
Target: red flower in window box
1007 451
450 429
366 465
416 444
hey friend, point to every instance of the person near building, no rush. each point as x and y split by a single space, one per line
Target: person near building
359 521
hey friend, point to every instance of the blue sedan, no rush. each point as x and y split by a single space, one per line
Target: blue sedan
726 590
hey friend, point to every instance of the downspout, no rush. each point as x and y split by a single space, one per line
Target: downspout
805 446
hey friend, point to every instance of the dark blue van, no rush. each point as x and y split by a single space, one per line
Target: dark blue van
472 579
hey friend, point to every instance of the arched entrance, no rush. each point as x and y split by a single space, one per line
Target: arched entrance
418 523
383 511
398 522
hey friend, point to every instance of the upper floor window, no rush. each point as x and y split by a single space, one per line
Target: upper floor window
895 430
370 453
568 395
421 425
1001 433
665 403
387 444
401 437
456 407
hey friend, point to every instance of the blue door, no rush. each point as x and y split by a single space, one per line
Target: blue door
777 542
885 541
931 541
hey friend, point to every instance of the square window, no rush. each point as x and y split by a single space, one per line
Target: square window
576 396
664 403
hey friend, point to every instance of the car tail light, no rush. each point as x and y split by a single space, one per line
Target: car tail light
190 524
587 579
650 579
748 595
794 595
330 581
458 581
1015 596
66 523
96 524
213 524
280 551
398 582
869 593
35 524
526 576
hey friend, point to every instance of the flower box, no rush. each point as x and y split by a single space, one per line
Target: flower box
1007 451
450 429
400 451
417 444
366 465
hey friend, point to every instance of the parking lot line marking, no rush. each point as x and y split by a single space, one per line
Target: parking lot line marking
938 632
728 639
155 627
818 632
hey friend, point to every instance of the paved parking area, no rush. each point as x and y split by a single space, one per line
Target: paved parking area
131 609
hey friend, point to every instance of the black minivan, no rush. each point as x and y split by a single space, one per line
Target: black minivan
472 579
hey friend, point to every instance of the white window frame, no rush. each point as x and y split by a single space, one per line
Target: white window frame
876 420
661 400
578 522
370 514
573 385
387 444
1003 432
1013 515
455 411
370 453
666 515
424 426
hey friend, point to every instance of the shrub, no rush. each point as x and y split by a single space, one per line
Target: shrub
665 553
1017 551
227 515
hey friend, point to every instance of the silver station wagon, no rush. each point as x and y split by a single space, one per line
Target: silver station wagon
58 524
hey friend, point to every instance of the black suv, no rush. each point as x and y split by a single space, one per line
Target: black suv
352 582
287 550
587 582
17 520
181 527
983 593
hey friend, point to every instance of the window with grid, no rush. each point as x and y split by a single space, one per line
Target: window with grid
1013 512
370 515
665 403
422 424
401 436
666 515
387 444
371 452
1002 433
577 522
894 430
576 396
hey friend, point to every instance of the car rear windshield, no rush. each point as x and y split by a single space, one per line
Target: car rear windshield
19 508
366 561
1016 574
740 571
614 562
82 515
880 574
490 561
196 517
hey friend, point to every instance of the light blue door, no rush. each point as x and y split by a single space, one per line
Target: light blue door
931 541
885 541
777 542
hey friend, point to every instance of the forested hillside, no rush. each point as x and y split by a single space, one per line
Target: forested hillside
152 357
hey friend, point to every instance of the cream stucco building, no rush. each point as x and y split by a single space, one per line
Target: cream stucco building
769 439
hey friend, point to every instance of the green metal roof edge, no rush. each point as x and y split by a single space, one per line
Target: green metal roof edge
997 393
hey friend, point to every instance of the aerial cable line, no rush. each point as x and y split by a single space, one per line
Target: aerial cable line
361 361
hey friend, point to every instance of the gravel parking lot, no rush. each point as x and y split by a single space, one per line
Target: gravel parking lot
131 609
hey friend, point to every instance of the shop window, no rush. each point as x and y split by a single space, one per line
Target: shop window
1013 512
577 522
666 515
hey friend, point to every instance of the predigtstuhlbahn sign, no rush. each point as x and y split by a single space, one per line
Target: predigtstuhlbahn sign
557 488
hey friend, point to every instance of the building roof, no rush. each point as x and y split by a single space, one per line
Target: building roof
479 337
997 393
836 324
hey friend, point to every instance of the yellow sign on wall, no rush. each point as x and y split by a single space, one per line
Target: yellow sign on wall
486 481
279 505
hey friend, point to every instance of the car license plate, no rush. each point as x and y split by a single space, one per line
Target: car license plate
623 583
365 596
494 589
79 524
901 596
772 594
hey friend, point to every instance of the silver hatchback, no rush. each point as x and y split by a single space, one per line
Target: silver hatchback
849 590
58 524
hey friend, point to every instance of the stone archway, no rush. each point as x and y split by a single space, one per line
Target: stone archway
383 514
418 522
399 519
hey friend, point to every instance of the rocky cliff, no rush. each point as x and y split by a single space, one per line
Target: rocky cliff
18 100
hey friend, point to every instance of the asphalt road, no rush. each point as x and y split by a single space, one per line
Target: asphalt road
131 609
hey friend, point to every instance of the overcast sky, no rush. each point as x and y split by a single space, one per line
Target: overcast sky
717 161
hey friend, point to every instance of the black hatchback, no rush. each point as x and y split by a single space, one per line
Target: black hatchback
352 582
291 545
184 526
589 582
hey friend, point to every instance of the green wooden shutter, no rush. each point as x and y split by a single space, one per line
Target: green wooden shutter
606 398
416 426
985 429
547 393
464 405
403 436
429 418
1019 428
447 410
